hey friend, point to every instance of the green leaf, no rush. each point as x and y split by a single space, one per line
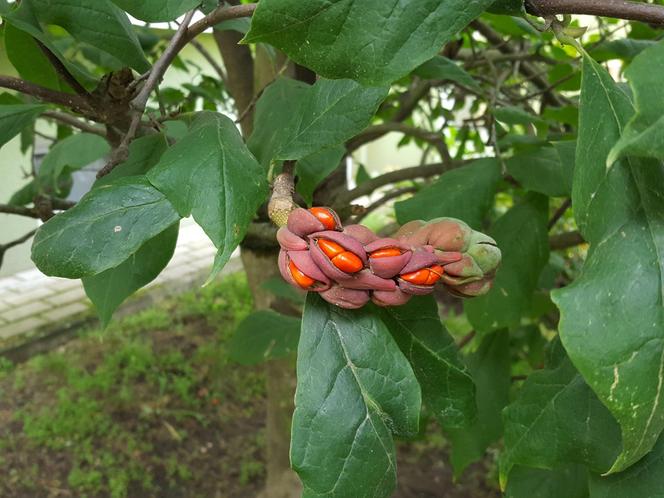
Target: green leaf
144 153
313 169
447 388
13 118
278 286
273 112
72 153
547 170
264 335
27 57
30 62
240 25
371 41
556 420
490 369
522 237
611 316
108 289
442 68
314 118
513 115
644 134
570 481
511 7
156 10
211 175
105 228
643 479
83 20
354 389
624 48
465 193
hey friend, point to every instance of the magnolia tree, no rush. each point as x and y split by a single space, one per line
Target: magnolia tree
540 144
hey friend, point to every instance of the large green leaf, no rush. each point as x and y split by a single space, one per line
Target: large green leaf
313 169
644 134
372 41
442 68
108 289
157 10
465 193
556 420
84 21
522 237
490 368
354 389
273 112
447 388
30 62
13 118
570 481
72 153
104 229
612 320
211 175
547 170
642 480
314 118
28 59
144 153
264 335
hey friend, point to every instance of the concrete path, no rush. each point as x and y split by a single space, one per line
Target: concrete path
30 300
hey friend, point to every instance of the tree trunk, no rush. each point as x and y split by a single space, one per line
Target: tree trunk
247 77
281 480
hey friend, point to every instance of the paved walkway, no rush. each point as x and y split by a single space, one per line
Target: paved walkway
30 300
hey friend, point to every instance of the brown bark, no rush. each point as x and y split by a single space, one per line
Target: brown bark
240 74
281 480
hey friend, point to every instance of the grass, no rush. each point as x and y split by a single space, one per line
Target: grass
135 408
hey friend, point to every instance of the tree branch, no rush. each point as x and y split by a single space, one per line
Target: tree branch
386 198
19 210
566 240
619 9
5 247
76 123
63 72
221 13
424 171
559 213
527 69
139 102
211 60
373 132
75 102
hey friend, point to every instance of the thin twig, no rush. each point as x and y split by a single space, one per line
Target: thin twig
221 13
211 60
466 339
566 240
380 202
63 72
5 247
366 188
18 210
559 213
76 123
